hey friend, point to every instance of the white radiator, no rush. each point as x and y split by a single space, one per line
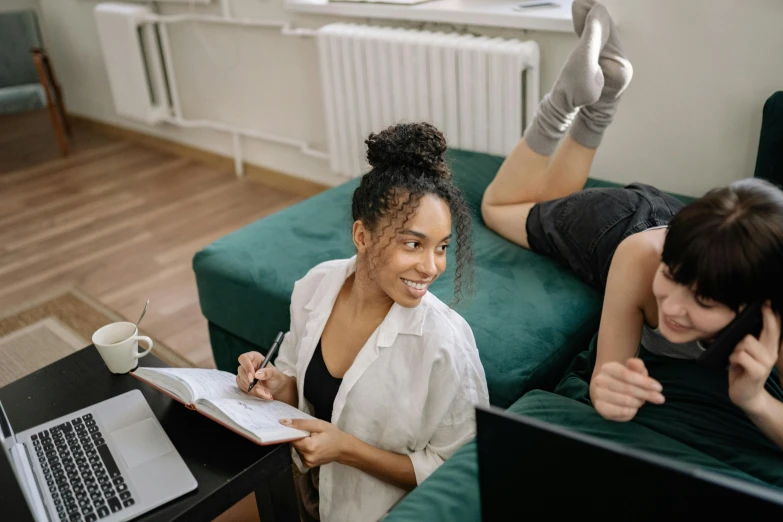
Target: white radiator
129 43
479 91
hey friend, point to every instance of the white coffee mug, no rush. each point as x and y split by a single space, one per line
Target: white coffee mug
118 344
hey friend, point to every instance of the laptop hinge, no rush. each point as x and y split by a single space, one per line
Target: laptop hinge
36 500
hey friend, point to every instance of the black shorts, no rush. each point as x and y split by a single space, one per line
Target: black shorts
583 230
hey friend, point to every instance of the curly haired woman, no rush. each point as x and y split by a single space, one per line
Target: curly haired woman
391 373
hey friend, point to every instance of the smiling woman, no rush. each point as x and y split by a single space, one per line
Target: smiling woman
370 349
409 198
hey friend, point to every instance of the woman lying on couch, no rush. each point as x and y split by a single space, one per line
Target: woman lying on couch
391 372
674 275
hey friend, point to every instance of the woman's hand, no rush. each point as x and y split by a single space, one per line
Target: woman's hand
619 390
752 361
326 443
270 380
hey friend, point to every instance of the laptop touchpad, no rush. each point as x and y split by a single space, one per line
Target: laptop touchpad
141 442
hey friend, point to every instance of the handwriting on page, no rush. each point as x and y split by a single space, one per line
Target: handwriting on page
215 384
208 383
258 416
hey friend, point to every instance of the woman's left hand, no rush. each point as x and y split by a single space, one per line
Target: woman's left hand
326 442
752 361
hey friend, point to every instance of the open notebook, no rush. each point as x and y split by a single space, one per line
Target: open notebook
214 394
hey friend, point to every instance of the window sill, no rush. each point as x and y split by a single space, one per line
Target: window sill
488 13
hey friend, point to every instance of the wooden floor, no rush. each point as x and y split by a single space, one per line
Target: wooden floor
119 222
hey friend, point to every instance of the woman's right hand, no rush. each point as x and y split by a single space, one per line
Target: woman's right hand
270 379
618 390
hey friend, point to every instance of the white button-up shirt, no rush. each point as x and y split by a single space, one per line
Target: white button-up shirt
411 389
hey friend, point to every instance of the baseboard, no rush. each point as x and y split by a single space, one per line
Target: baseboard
299 186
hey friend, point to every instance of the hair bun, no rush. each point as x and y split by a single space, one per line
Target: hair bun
415 145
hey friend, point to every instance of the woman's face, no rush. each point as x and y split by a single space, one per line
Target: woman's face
410 260
684 316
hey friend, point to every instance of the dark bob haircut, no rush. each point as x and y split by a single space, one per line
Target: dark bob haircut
728 244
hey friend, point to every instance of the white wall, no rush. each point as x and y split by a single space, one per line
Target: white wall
689 121
17 5
703 69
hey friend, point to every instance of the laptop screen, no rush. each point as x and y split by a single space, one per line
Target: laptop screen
5 427
13 505
533 469
6 434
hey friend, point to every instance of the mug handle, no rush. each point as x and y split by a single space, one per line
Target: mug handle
147 341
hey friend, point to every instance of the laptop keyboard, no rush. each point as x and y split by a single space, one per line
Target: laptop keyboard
81 474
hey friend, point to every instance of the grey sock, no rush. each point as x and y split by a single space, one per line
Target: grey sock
593 119
579 83
581 80
579 10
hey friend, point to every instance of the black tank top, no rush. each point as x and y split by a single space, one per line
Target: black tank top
320 387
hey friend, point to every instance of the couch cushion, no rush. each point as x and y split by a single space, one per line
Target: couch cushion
529 315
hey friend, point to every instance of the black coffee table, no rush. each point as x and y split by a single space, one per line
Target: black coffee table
226 466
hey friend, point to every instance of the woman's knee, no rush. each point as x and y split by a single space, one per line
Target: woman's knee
508 221
490 214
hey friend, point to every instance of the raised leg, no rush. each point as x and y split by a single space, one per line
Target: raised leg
527 176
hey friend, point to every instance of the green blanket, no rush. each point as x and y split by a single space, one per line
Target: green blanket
697 412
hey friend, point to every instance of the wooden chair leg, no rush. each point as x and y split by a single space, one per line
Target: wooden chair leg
59 100
54 112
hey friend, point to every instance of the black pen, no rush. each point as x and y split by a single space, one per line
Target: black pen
269 355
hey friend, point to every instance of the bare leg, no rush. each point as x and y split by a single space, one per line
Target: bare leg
526 178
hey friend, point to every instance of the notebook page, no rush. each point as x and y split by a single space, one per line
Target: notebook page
167 379
214 384
260 417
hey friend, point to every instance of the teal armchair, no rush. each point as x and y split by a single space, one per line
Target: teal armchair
27 80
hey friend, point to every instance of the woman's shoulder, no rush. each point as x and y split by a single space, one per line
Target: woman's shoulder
444 323
305 287
637 257
440 311
321 269
643 246
450 344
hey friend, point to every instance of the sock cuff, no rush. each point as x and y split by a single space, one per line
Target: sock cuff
540 142
548 127
586 132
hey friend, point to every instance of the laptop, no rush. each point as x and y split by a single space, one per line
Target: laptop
530 470
111 462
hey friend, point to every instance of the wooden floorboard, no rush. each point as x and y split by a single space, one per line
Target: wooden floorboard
120 222
27 140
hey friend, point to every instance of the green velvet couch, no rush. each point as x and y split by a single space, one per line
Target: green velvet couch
533 322
530 316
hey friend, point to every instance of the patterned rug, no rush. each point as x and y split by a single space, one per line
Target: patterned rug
44 332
